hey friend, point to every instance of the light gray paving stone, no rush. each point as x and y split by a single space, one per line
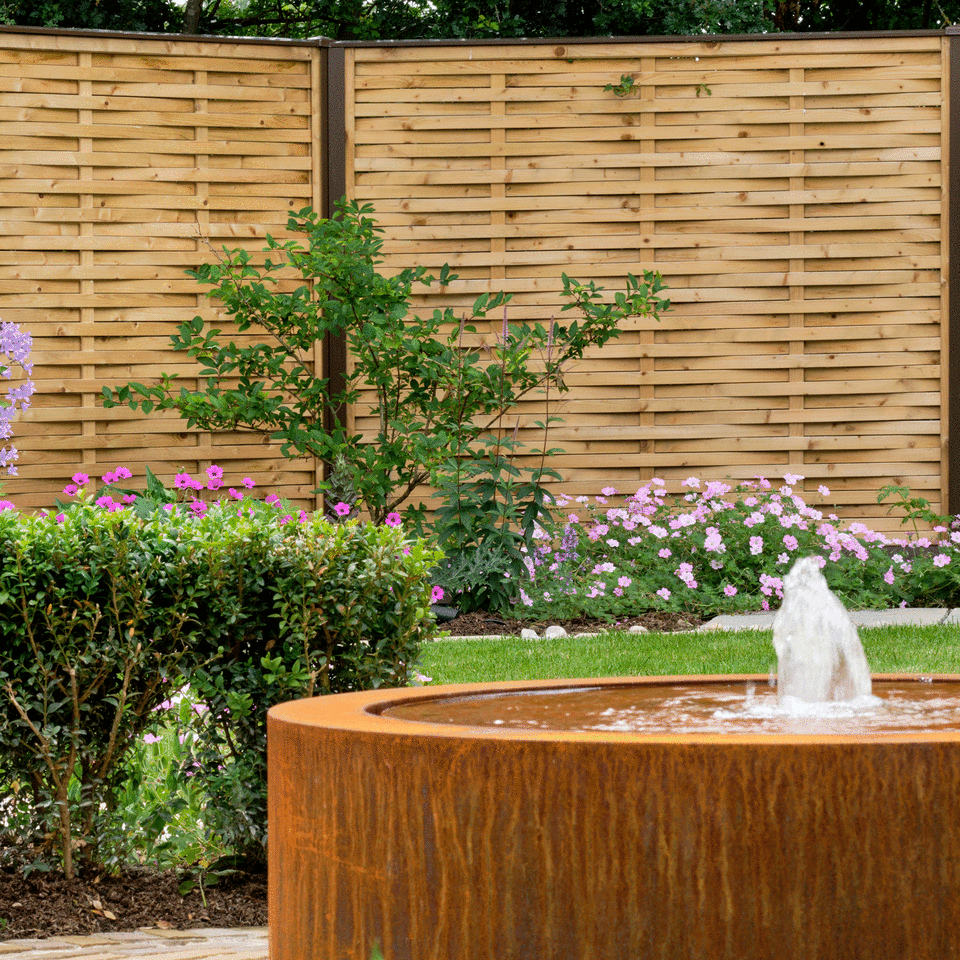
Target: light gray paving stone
213 944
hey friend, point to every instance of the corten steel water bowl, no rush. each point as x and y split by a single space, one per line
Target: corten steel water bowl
441 840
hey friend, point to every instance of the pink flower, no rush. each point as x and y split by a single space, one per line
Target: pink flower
792 478
730 590
182 481
756 545
198 507
941 560
664 593
214 472
393 520
889 576
665 553
341 509
61 517
609 491
71 489
80 479
248 483
714 541
233 493
273 499
624 582
790 542
436 594
823 490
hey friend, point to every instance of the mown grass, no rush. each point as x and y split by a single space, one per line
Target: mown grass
889 650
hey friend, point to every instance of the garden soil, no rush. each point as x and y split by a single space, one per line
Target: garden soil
45 904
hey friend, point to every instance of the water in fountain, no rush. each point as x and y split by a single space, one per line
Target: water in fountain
819 655
823 687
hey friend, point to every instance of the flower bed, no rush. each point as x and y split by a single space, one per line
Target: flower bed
721 548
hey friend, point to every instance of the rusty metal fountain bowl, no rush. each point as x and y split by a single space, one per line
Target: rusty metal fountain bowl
401 820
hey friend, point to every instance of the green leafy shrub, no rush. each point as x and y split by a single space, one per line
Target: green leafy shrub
97 612
347 609
105 609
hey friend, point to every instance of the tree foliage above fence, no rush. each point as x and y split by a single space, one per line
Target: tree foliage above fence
453 19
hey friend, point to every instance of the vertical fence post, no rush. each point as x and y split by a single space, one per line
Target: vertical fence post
333 160
952 226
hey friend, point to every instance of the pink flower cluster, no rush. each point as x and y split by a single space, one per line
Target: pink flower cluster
709 546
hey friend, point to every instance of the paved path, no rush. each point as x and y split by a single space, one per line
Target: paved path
245 944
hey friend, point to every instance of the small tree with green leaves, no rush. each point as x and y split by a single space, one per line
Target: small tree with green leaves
442 385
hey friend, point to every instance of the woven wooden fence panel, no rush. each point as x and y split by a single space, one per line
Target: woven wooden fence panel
789 191
120 159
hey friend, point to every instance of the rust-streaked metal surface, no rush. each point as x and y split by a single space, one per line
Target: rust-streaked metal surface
464 843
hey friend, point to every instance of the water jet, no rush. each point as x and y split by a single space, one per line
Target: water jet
429 823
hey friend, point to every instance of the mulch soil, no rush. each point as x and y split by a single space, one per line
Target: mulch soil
486 624
46 905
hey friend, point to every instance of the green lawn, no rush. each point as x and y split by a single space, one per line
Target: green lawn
888 649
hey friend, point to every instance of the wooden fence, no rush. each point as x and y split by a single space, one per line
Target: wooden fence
121 159
790 190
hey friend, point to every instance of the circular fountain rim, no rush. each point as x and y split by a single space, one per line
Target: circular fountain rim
365 712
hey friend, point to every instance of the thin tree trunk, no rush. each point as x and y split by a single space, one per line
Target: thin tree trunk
191 16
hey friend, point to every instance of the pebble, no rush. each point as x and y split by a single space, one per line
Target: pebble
636 628
528 634
555 631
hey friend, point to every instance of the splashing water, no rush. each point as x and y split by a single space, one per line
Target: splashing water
820 658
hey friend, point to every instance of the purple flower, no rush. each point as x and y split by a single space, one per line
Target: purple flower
80 479
248 483
214 472
71 489
436 594
273 499
341 509
393 520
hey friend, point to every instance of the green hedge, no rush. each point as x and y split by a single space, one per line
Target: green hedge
104 612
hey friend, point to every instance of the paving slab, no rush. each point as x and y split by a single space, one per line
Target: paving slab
247 943
916 616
